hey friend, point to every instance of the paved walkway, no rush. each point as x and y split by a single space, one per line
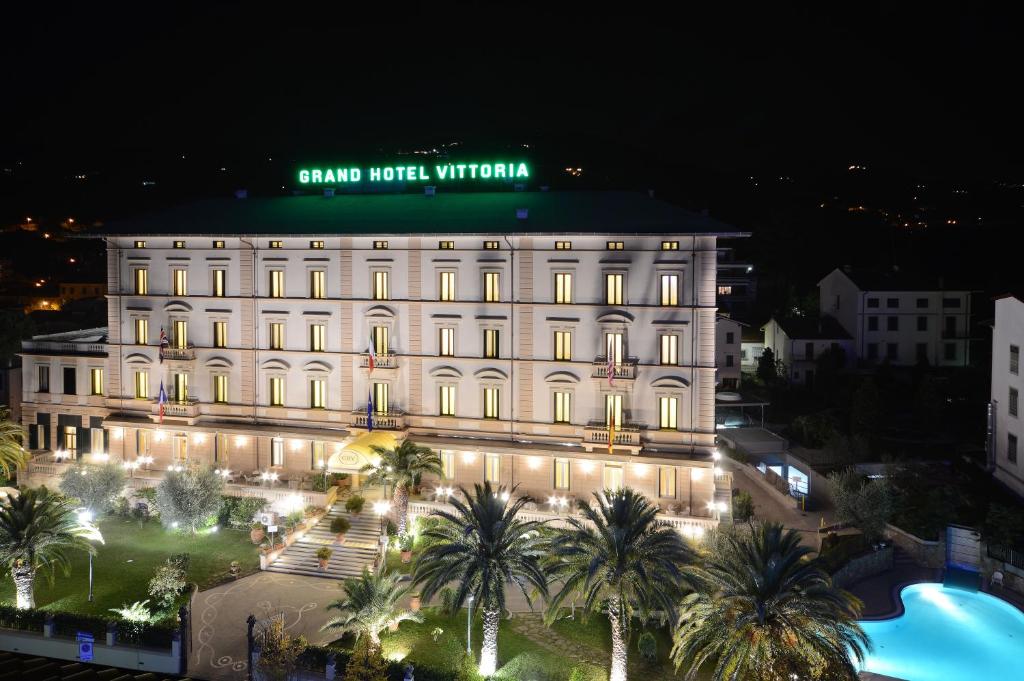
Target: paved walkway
532 626
766 507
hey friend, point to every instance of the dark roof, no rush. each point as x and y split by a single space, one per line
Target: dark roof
391 214
812 328
900 280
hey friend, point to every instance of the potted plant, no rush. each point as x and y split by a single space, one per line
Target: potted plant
339 526
323 556
416 601
256 533
405 542
354 504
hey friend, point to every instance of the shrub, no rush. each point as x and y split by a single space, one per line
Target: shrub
320 483
390 528
324 553
648 646
190 498
244 510
293 519
742 506
95 486
366 663
862 503
340 525
279 651
525 666
405 541
169 580
587 673
148 495
354 504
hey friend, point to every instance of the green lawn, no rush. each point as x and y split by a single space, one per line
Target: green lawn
124 564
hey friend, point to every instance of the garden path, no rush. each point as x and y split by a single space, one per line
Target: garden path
531 625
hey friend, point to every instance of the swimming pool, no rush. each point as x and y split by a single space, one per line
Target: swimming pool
949 635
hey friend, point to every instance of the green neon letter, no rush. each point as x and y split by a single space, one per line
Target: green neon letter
303 177
472 169
461 167
499 170
423 174
410 173
401 172
485 170
329 176
389 174
442 171
522 171
317 176
356 174
374 174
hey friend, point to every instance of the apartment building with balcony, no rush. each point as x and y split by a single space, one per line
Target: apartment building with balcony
898 317
1004 416
799 343
301 330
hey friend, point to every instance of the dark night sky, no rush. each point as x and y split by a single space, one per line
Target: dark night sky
921 89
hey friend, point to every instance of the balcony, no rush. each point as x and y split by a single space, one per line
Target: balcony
624 370
627 435
180 409
388 420
389 361
186 354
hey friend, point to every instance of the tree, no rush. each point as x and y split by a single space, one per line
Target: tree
864 503
12 453
866 410
370 605
480 546
279 651
403 467
95 486
189 498
767 371
37 529
743 506
766 612
366 663
1003 526
621 557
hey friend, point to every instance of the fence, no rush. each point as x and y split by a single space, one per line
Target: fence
1006 555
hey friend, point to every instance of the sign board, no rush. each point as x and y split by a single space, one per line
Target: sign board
271 529
437 172
85 642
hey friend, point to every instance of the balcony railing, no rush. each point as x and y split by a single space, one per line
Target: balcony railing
178 408
388 420
65 348
186 353
627 435
389 361
626 369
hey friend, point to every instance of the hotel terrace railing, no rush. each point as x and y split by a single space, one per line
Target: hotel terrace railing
688 526
628 434
65 348
178 408
626 369
389 361
186 353
388 420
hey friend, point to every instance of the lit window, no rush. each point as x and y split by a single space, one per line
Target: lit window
220 447
563 245
218 244
318 450
446 286
447 400
276 391
613 345
491 245
447 464
277 335
562 474
277 452
563 345
220 283
141 281
71 441
179 449
140 244
614 245
670 245
180 390
381 398
613 477
492 468
380 245
670 289
141 385
44 379
563 407
318 394
220 389
379 338
446 342
491 404
613 410
276 283
318 284
669 349
492 287
563 287
179 331
317 337
276 244
180 279
141 331
613 288
97 439
179 244
143 438
667 482
446 245
668 407
316 245
220 334
725 290
491 343
380 286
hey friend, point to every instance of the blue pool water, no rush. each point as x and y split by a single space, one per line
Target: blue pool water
949 635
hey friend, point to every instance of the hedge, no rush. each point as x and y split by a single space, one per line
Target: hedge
153 635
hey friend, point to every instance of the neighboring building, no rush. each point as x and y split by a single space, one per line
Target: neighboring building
491 317
899 318
798 342
737 284
79 291
1005 429
728 333
751 348
10 387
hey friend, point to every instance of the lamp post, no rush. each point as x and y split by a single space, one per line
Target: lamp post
85 517
469 627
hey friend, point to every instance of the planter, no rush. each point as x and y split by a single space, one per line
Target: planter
415 603
256 536
322 563
393 627
406 556
341 538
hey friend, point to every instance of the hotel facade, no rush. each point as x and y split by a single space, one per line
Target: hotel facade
302 330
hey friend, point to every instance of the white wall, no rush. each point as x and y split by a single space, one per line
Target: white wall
1008 330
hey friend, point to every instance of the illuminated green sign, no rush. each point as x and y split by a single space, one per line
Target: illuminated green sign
445 172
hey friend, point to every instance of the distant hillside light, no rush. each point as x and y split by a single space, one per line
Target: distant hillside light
443 172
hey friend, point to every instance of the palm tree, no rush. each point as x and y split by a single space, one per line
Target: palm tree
370 606
620 556
12 453
768 612
403 467
37 529
481 546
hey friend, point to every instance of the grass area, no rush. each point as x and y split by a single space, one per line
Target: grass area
124 564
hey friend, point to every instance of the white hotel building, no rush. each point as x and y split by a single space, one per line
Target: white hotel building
491 315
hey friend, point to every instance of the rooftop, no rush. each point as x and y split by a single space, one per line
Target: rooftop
898 279
812 328
583 212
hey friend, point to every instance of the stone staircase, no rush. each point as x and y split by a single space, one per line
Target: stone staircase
360 548
724 495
